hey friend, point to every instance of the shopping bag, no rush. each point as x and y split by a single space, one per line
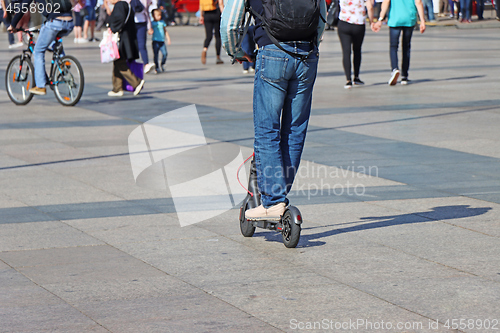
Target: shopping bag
138 69
109 47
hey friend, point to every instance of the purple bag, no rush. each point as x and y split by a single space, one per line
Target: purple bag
138 69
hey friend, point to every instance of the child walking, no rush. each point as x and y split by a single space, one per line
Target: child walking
159 34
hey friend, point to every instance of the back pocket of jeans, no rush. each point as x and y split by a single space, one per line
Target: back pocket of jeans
273 69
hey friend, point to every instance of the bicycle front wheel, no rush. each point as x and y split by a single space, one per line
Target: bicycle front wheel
68 81
19 78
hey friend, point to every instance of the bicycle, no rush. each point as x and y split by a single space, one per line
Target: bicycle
66 74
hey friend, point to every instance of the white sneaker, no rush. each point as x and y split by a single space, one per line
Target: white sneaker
148 68
252 70
260 213
394 77
75 40
82 40
16 45
115 94
245 71
138 89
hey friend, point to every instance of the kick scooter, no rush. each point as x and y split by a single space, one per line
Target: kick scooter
288 224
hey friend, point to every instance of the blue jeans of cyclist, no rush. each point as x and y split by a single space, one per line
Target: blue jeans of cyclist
48 33
282 99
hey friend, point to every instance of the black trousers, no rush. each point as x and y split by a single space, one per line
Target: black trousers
212 27
351 36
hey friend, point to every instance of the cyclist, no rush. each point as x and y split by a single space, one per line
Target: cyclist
59 23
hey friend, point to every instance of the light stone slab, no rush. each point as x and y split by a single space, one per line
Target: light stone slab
41 235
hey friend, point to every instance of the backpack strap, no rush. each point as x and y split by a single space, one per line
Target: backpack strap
276 42
128 14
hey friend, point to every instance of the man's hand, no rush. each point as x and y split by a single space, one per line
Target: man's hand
245 57
422 27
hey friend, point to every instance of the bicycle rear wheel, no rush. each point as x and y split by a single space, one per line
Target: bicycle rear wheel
68 81
19 78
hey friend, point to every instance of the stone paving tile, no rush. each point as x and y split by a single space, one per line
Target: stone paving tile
430 249
138 229
26 307
7 161
165 314
285 306
41 235
78 265
47 318
122 288
432 297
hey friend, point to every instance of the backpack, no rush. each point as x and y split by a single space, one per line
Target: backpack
137 6
60 6
332 18
290 20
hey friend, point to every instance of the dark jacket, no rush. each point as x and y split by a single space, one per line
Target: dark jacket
128 47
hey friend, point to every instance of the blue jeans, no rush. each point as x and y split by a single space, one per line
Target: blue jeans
429 7
282 98
48 33
6 22
451 4
465 9
248 45
142 36
157 47
480 8
394 33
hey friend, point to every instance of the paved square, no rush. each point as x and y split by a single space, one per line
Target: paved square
400 193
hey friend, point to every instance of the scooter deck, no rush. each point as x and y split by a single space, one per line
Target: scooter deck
267 224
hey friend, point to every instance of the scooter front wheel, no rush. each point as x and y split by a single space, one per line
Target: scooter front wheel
246 227
291 230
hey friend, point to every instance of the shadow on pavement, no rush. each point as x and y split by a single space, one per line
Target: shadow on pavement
436 214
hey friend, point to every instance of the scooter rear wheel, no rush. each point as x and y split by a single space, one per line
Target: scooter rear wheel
291 230
246 227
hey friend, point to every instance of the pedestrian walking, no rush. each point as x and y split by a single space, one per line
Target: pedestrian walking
103 15
143 26
351 29
159 34
402 16
210 17
121 20
5 19
90 21
248 46
466 11
78 14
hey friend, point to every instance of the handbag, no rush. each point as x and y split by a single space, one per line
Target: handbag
109 44
109 47
137 69
332 18
84 12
